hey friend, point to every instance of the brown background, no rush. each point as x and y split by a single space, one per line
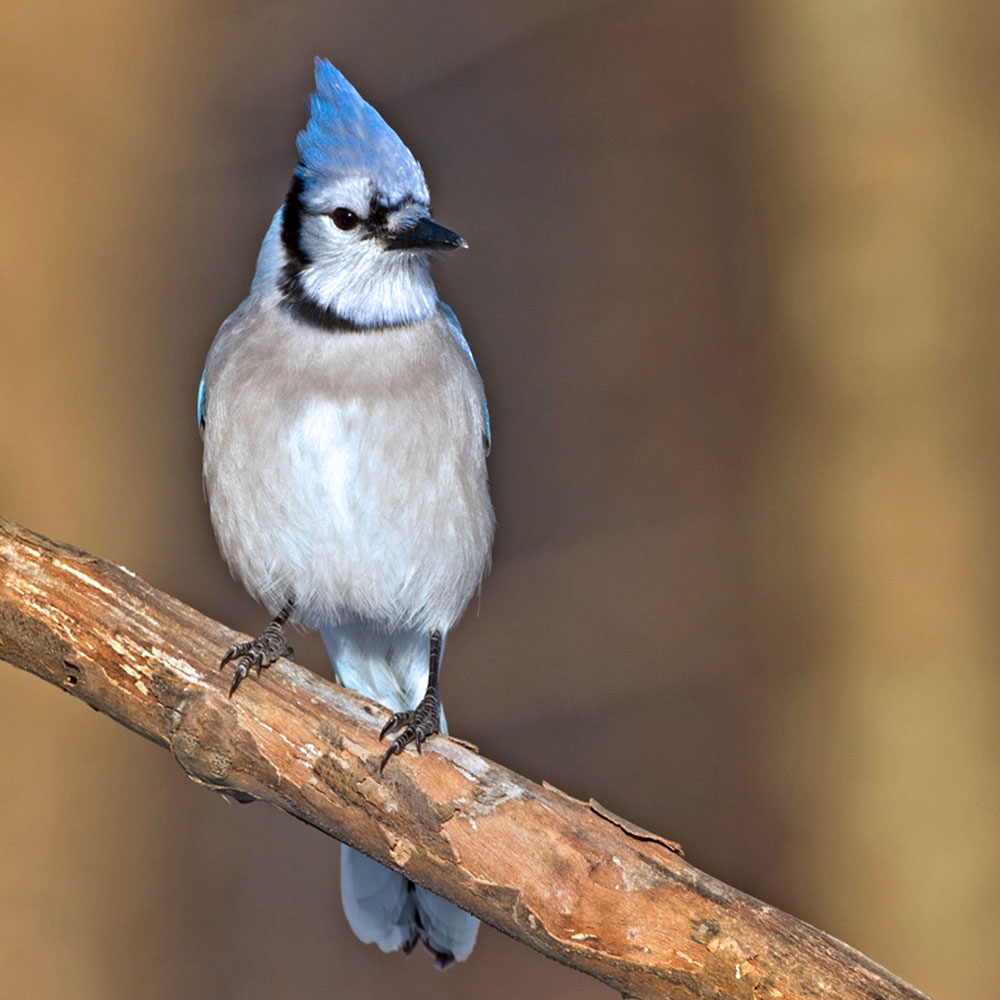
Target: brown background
733 290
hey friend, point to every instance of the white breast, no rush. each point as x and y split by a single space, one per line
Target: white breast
348 469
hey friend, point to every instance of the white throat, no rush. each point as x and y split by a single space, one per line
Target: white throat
370 286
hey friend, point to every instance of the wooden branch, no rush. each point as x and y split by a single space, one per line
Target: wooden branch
567 877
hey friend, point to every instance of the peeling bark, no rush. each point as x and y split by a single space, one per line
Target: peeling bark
568 878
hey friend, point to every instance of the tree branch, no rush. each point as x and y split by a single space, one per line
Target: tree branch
567 877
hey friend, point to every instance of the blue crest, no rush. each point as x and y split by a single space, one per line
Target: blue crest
346 136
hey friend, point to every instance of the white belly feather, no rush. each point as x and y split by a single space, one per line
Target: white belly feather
348 471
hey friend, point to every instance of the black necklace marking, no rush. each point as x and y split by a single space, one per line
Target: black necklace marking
306 309
294 298
291 226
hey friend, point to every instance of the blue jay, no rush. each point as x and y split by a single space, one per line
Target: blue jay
345 439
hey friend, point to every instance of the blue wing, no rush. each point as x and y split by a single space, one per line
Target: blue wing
201 402
456 329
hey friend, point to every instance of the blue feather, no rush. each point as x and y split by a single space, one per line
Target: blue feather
201 402
346 135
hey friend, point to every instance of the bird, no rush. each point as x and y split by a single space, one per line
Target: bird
345 435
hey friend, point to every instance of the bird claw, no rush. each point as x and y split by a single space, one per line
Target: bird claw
423 721
261 652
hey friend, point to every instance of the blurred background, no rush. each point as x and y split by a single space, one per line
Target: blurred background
732 289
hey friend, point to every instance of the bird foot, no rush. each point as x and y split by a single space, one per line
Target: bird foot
268 647
423 721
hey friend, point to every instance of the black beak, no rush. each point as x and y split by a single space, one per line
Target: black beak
425 235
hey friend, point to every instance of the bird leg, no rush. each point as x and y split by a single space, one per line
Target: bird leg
269 646
425 719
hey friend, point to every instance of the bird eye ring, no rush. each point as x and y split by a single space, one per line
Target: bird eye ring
344 218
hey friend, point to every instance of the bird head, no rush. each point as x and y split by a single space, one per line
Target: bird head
356 228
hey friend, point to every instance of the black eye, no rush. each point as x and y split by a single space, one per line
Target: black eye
344 218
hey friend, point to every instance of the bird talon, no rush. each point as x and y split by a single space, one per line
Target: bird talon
241 672
423 721
395 747
237 649
261 652
396 721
